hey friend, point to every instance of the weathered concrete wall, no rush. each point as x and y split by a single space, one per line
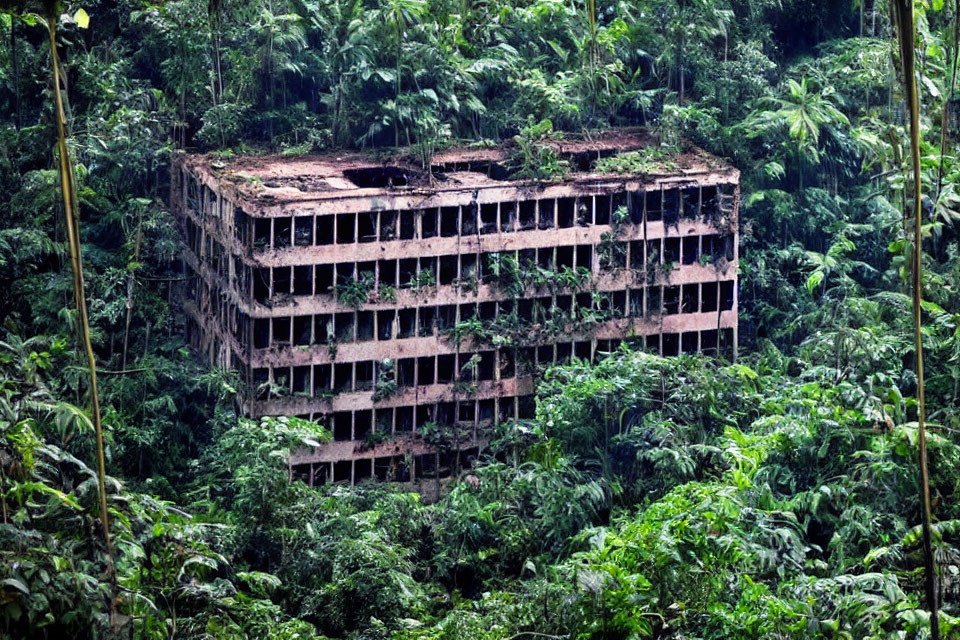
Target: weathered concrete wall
268 243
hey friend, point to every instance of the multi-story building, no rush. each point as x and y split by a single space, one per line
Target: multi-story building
411 310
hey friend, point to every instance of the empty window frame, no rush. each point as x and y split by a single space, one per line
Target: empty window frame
388 225
690 341
281 331
528 215
386 274
365 328
406 372
407 323
428 223
301 380
281 280
363 376
671 300
654 300
367 226
671 251
262 233
690 298
261 333
546 213
426 321
346 228
342 429
303 280
426 367
488 218
448 269
344 326
690 201
324 279
508 216
653 205
671 206
584 256
303 231
468 219
282 232
602 209
404 422
322 379
670 344
449 221
690 251
385 324
446 368
302 331
408 224
408 272
708 342
343 377
727 295
708 296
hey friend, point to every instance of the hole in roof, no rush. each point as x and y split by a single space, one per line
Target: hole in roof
493 170
583 161
378 177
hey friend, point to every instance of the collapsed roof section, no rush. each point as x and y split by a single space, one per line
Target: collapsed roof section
258 182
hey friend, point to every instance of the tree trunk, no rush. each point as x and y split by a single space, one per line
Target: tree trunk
70 209
906 31
131 282
15 67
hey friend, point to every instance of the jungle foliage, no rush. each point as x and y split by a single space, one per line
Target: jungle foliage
771 497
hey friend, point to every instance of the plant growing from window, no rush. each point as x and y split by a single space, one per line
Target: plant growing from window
621 215
465 388
572 279
423 280
666 269
386 385
387 293
467 328
506 269
468 284
354 292
611 252
376 437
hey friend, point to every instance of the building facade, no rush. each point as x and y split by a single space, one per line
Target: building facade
411 311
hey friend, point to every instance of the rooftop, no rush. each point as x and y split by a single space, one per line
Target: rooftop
289 180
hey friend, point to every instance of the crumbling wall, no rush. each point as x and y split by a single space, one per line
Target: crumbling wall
412 322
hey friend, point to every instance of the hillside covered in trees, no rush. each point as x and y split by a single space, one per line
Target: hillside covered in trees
777 496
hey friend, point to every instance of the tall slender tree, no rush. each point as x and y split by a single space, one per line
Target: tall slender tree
905 29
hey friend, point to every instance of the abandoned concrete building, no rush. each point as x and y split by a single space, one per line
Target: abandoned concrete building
409 311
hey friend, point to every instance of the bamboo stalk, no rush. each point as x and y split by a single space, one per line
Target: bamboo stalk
905 24
70 209
946 100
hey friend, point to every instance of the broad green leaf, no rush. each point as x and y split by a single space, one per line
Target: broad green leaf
16 584
814 280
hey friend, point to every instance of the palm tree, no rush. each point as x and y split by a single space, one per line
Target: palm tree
687 21
806 114
397 15
345 47
280 37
